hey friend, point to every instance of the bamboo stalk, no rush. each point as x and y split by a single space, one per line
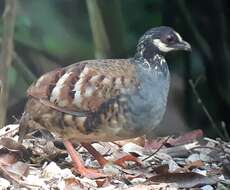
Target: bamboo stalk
100 38
115 27
6 54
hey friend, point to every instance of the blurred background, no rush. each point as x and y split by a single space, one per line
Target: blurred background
50 34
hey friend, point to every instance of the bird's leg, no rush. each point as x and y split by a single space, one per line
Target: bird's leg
102 161
78 163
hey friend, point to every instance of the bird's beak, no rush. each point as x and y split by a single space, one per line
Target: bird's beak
183 45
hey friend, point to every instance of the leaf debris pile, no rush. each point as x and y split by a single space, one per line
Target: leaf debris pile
189 161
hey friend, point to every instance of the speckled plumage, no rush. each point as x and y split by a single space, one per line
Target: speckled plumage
103 100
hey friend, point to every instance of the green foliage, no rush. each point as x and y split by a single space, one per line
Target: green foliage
41 26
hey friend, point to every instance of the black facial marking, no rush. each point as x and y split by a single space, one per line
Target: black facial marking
164 34
153 46
149 50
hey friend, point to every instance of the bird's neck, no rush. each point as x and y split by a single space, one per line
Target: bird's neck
156 62
149 102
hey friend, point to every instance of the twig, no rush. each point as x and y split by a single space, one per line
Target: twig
200 102
157 150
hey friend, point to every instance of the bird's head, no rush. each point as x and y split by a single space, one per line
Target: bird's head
160 40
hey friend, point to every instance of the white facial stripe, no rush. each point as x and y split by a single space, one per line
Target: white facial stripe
161 46
178 36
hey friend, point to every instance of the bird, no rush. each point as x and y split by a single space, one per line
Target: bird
104 99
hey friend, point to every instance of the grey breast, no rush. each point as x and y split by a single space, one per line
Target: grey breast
147 106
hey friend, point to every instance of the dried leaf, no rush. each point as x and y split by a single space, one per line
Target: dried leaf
88 183
151 144
18 169
9 130
191 166
133 148
4 184
8 158
184 180
13 146
187 137
195 164
140 141
7 175
151 187
226 166
162 169
183 139
221 186
173 166
193 157
72 183
101 182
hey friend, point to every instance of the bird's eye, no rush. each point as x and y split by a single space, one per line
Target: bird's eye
169 39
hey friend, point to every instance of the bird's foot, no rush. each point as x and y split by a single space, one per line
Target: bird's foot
89 173
78 163
121 161
102 161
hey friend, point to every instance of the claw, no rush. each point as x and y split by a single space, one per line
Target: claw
78 163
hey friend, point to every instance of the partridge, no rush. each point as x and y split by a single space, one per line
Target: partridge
104 99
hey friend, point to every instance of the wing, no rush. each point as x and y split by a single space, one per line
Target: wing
83 87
